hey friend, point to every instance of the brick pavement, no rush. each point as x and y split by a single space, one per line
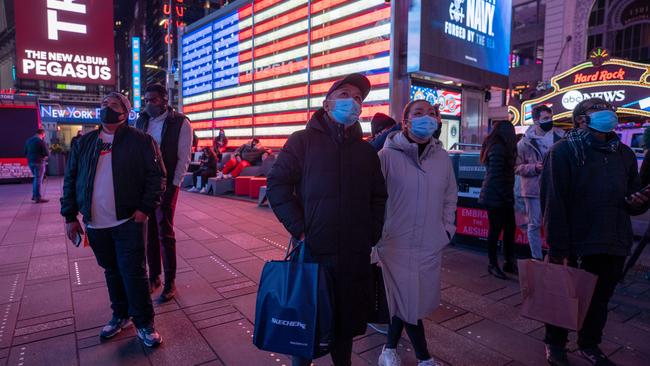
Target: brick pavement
53 300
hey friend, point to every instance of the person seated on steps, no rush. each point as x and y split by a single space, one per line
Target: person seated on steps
249 154
207 170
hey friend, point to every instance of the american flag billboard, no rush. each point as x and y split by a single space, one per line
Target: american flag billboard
261 69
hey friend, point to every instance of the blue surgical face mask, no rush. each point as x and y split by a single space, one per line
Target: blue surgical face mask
423 127
603 121
345 111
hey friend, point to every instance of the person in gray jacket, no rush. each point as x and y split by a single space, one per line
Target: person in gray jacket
531 151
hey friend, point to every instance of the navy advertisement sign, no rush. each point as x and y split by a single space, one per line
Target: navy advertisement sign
464 39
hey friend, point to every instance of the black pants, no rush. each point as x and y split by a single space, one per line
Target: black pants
501 219
608 268
120 251
415 333
161 235
204 173
340 351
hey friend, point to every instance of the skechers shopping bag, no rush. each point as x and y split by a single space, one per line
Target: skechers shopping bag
293 313
554 293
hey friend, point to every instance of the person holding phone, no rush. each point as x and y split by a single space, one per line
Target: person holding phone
115 178
589 188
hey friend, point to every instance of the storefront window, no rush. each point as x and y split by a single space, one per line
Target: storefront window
526 54
633 43
525 14
593 41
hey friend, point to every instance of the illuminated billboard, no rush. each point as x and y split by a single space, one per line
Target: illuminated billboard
465 39
135 67
261 69
65 41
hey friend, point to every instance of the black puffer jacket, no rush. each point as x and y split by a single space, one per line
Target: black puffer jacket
331 188
584 207
138 174
499 182
644 174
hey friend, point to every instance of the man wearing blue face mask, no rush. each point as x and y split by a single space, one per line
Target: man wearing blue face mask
589 188
327 188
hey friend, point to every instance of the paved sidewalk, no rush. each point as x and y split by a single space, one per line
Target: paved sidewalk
53 300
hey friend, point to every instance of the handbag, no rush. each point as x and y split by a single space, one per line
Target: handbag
555 294
294 308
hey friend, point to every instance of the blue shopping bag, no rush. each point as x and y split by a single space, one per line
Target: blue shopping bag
294 311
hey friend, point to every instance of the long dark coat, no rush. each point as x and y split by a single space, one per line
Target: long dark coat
328 184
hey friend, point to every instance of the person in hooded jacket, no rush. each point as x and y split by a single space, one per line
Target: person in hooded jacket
420 213
498 154
531 151
327 189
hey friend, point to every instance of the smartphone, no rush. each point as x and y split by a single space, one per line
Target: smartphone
77 240
645 191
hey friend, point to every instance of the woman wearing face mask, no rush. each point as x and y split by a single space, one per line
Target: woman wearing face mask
498 154
420 214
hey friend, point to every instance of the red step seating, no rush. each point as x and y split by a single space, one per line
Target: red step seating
242 186
255 185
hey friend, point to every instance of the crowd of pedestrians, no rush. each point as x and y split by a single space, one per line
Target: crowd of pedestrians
389 201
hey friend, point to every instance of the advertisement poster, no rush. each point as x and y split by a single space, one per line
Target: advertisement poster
65 41
474 222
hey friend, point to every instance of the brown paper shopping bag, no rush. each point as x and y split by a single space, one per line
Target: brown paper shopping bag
555 294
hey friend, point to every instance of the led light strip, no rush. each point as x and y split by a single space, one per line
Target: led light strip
291 105
230 132
379 95
233 122
357 22
345 11
197 98
243 89
196 89
199 116
282 33
285 56
351 38
288 18
358 52
232 112
284 6
289 68
201 32
363 66
281 82
278 130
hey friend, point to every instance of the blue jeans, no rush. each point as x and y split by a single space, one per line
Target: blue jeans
534 212
120 251
38 171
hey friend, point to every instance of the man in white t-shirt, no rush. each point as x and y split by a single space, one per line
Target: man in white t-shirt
115 178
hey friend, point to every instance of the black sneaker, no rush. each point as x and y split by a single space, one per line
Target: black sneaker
595 356
511 268
168 292
556 356
149 336
114 326
495 271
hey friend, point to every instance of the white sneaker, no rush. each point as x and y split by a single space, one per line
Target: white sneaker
219 175
204 190
429 362
389 357
193 189
227 176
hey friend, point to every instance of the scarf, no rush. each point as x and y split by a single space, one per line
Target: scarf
579 139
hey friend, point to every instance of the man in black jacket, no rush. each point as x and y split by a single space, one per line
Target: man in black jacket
589 188
36 152
327 188
114 178
173 133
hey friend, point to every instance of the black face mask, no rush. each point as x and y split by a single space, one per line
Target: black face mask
108 116
546 126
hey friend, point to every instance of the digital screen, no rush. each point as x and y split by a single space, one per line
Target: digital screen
448 100
66 113
464 39
65 41
269 88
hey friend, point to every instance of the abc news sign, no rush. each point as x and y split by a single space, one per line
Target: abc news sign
65 40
